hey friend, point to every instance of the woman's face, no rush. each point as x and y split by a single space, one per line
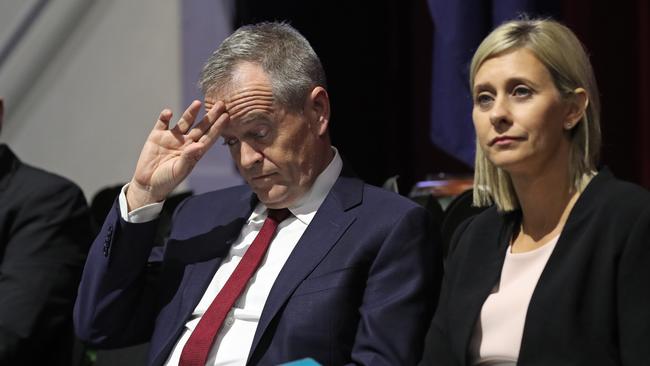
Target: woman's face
521 120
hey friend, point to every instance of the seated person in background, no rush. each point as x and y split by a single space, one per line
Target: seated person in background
558 272
44 238
349 276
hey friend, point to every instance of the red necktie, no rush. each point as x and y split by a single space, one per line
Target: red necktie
196 350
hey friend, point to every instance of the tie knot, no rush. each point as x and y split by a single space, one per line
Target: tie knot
279 215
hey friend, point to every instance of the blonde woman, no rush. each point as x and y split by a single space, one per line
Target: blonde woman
557 272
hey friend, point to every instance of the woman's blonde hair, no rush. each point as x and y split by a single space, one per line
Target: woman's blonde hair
561 52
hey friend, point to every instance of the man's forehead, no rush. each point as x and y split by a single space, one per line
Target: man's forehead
236 93
245 75
244 100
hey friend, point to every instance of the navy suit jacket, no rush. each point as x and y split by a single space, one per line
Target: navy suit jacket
359 287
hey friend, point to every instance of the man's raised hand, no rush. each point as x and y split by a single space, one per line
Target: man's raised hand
169 154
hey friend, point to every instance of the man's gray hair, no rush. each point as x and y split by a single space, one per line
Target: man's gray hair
283 53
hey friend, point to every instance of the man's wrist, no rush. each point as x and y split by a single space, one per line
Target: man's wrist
138 196
141 214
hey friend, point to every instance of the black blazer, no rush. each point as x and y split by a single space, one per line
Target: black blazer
44 237
591 305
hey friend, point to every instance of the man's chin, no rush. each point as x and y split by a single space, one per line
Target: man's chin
273 198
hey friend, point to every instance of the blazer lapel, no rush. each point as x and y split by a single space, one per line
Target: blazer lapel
329 223
479 280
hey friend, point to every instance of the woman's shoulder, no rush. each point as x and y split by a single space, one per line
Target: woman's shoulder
484 230
607 192
489 219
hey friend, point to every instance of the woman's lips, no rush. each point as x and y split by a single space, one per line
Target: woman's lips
504 140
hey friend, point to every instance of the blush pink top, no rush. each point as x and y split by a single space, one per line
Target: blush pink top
496 339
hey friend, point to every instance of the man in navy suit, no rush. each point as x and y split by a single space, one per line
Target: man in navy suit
350 277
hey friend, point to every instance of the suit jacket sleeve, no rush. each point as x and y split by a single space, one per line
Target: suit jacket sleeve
115 306
401 293
45 242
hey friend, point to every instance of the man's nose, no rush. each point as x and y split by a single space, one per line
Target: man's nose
249 155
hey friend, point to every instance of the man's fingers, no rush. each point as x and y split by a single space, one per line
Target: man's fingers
187 119
208 120
163 120
215 130
205 134
215 111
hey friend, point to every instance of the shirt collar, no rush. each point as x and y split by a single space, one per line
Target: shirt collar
305 208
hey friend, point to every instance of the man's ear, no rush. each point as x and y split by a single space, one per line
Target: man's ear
578 106
318 106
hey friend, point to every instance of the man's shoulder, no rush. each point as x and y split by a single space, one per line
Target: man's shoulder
360 194
36 195
374 194
226 198
385 205
234 191
29 180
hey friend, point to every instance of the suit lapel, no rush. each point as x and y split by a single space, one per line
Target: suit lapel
330 222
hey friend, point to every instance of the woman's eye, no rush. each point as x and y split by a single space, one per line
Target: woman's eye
483 99
521 91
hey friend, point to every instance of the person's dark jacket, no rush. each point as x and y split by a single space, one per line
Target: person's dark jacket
44 237
591 305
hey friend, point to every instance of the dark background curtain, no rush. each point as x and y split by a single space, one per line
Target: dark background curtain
617 36
378 59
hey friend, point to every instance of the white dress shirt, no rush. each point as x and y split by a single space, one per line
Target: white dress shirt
234 339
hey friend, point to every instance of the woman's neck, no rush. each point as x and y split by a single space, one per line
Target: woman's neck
546 201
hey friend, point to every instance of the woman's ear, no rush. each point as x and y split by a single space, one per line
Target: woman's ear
577 108
318 105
